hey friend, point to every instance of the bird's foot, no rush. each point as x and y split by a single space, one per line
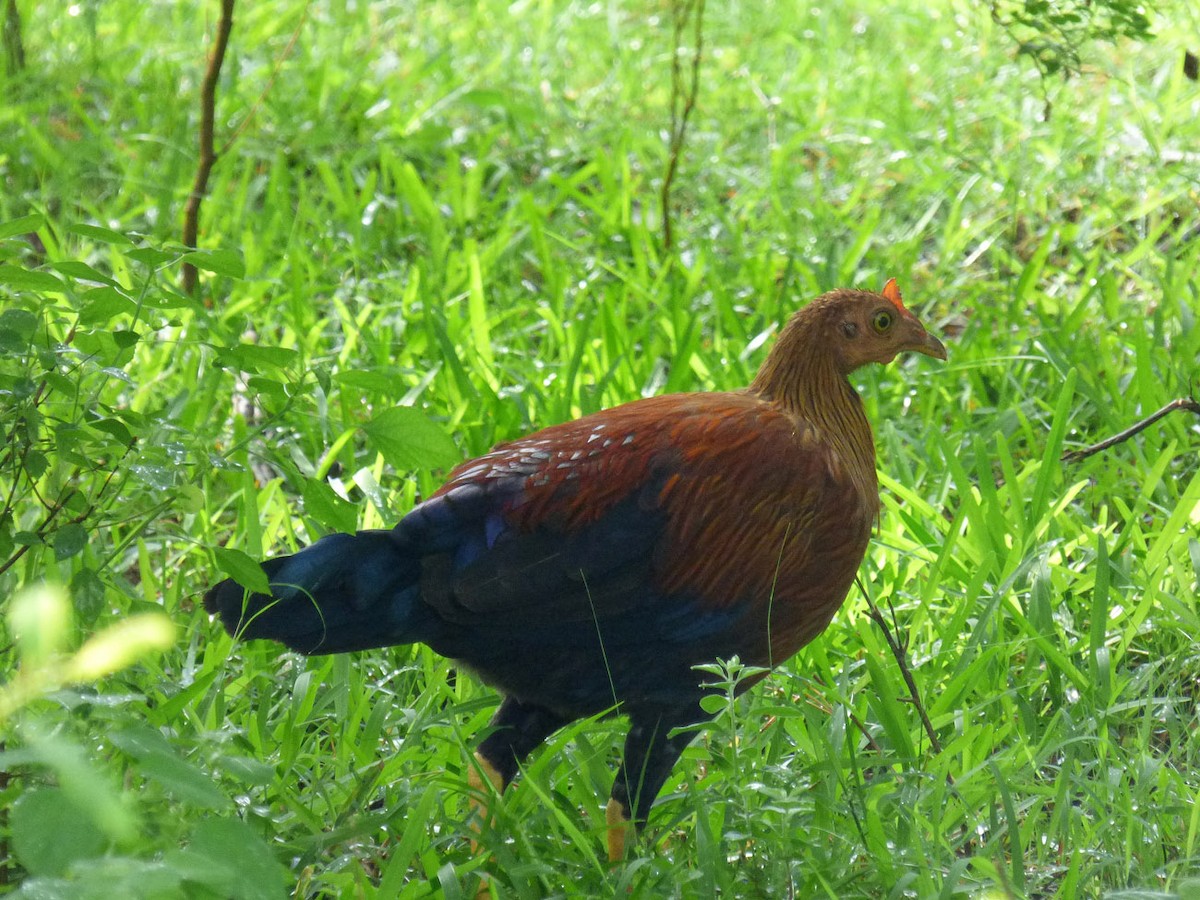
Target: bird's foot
618 829
480 794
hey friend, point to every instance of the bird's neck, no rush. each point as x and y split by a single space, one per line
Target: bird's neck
802 375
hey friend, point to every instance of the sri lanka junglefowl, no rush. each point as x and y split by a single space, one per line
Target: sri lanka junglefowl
591 566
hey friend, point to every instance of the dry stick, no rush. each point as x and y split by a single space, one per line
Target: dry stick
59 505
208 157
679 118
1181 403
287 51
902 661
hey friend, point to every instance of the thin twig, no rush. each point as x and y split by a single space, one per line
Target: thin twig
1182 403
44 528
287 51
208 156
902 661
681 104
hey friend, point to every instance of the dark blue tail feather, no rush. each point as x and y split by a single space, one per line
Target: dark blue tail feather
346 592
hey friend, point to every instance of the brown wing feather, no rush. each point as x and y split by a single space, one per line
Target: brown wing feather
758 510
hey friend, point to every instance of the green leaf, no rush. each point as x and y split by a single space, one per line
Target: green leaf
150 256
29 280
19 321
242 569
74 269
245 769
268 388
368 380
49 832
330 510
158 761
23 225
62 385
219 262
477 308
234 861
89 788
87 594
103 304
69 540
409 440
253 357
114 428
96 233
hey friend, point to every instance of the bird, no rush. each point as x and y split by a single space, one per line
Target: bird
588 568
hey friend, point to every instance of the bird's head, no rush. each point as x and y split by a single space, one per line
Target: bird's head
865 327
835 334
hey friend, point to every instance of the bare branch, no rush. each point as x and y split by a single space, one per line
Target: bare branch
682 103
1181 403
902 662
208 156
287 51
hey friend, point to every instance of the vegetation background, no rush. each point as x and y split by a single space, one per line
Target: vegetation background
437 226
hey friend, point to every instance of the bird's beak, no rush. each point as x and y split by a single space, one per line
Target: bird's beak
930 346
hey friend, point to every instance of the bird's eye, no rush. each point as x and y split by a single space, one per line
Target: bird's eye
881 321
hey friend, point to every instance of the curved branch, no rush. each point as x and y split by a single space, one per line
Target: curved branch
208 156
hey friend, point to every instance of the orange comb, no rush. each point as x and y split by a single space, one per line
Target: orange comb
892 292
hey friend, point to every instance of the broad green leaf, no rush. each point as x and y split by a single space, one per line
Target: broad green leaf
89 787
245 769
87 594
23 225
19 321
242 569
49 833
159 762
114 428
254 357
96 233
69 540
29 279
328 508
219 262
410 440
150 256
236 860
74 269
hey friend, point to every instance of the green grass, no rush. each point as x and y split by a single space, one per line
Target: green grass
454 207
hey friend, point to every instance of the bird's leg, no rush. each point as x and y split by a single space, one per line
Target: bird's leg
517 728
650 753
481 770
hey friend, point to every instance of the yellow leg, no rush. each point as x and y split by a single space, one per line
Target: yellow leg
618 828
479 796
475 782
